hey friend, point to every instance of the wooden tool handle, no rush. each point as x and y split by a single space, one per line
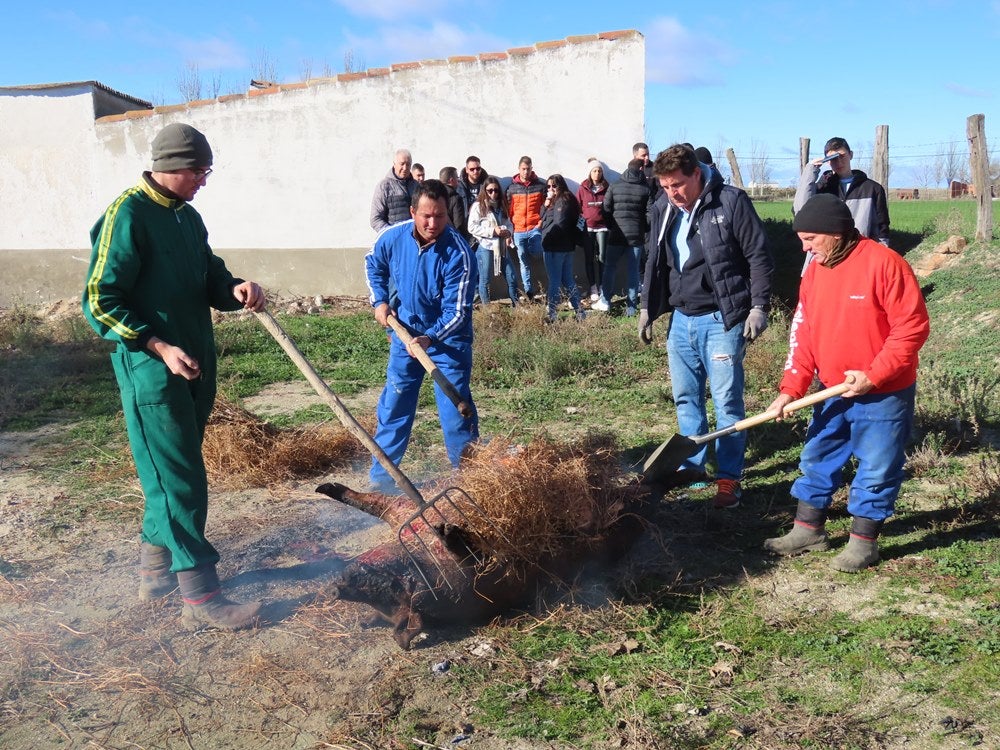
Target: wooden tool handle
444 384
802 403
350 423
745 424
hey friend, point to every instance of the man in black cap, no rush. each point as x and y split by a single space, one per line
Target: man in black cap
152 282
861 319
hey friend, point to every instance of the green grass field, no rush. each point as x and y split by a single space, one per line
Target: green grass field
715 646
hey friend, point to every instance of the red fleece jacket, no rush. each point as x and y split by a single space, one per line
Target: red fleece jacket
866 313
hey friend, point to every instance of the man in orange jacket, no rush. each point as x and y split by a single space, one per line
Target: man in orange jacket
525 196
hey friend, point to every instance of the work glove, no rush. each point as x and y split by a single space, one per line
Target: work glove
755 324
645 328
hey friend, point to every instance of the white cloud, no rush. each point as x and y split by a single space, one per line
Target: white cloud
212 53
411 43
392 10
957 88
679 56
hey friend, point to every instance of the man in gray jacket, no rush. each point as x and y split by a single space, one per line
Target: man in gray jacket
391 202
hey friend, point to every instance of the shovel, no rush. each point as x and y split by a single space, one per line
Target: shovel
412 526
671 454
443 383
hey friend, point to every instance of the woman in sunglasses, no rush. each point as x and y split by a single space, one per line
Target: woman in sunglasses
490 224
560 236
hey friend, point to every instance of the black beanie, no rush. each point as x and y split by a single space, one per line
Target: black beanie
179 146
824 214
704 155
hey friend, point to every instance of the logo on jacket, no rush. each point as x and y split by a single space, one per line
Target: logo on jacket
857 296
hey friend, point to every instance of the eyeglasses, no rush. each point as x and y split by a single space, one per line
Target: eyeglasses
474 169
492 191
201 174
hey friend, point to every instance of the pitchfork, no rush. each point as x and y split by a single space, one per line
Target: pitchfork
408 532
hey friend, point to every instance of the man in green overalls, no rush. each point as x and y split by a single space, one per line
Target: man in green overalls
152 282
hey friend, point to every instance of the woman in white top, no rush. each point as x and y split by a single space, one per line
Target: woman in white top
490 223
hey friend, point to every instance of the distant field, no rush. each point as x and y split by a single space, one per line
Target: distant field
905 216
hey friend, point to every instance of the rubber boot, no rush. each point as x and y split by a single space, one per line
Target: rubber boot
808 533
155 578
204 603
862 547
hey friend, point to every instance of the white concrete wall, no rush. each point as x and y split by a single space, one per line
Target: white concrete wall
296 166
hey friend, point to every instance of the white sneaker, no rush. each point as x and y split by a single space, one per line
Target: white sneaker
600 306
594 294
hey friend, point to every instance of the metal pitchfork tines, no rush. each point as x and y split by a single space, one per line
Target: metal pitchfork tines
452 541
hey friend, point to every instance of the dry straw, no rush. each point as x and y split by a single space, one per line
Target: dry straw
241 450
548 500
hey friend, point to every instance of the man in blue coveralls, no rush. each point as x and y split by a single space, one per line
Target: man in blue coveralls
434 272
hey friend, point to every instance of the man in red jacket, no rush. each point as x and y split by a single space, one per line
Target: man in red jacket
861 317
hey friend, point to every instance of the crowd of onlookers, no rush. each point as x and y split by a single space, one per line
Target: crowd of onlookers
511 223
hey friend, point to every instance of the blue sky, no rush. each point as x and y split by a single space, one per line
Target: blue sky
751 76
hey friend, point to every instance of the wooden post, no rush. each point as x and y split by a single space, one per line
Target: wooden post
880 159
975 129
803 153
735 168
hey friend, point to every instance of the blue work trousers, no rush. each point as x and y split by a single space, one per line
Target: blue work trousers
528 245
397 406
874 429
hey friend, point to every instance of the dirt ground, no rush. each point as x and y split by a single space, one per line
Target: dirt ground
85 664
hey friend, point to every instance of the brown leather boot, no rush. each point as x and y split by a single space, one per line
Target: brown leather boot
155 578
204 603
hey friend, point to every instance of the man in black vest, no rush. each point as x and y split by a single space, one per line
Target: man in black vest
709 263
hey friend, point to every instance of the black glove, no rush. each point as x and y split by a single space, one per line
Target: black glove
645 328
755 324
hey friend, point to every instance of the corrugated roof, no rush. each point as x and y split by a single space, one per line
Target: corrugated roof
71 84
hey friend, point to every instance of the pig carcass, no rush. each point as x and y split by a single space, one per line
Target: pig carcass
386 579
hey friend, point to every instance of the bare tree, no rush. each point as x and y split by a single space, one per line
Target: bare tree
353 63
951 164
189 82
923 173
328 71
760 165
305 69
263 67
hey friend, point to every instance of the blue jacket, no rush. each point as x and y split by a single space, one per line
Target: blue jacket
435 285
729 236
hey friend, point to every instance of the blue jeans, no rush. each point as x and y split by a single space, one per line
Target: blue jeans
559 267
397 406
700 349
874 429
484 259
528 244
612 256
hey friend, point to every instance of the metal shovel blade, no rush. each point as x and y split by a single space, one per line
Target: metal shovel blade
667 458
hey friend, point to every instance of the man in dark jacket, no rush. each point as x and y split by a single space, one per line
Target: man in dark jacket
458 212
625 207
470 180
710 264
391 201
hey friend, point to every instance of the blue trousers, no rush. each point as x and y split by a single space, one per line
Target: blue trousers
631 255
397 406
527 244
559 267
700 349
874 429
484 259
